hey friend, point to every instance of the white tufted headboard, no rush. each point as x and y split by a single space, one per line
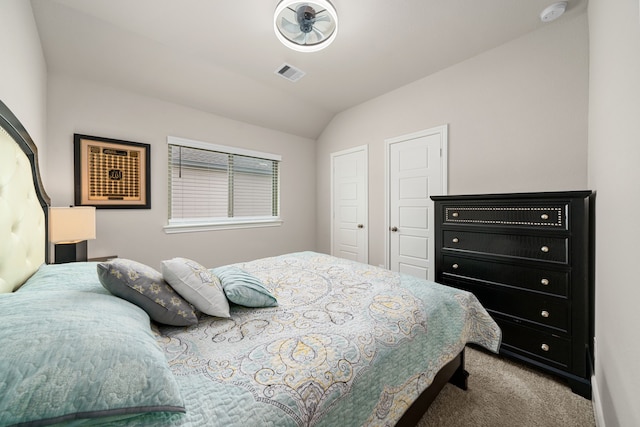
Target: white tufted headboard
23 205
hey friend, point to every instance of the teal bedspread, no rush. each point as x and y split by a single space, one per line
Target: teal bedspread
349 344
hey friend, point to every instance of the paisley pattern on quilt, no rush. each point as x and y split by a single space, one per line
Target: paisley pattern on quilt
349 344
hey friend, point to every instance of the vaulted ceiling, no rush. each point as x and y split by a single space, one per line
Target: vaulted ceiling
220 56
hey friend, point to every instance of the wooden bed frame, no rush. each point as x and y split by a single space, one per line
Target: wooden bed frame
453 372
12 125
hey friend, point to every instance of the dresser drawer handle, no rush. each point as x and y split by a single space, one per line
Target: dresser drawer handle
544 347
455 214
544 282
545 249
455 266
544 313
544 216
455 240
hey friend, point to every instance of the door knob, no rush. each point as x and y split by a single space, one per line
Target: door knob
394 229
360 225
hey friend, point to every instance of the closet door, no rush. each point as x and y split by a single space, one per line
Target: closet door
415 173
349 232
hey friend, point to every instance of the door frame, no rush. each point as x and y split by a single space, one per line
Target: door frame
443 131
365 149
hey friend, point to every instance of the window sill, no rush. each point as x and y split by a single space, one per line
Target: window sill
192 227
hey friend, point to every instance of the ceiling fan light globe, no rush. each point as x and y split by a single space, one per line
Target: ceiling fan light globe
289 33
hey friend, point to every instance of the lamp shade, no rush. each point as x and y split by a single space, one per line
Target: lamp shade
72 224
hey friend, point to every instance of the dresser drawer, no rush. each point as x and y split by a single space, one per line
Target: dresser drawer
548 216
525 306
535 343
535 279
542 248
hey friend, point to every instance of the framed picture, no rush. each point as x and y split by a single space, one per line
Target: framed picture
110 173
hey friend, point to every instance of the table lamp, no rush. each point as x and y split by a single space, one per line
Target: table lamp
69 230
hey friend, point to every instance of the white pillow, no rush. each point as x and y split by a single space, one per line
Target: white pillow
197 285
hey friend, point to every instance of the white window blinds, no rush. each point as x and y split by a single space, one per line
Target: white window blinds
212 183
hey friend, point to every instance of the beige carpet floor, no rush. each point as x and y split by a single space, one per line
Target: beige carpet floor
506 393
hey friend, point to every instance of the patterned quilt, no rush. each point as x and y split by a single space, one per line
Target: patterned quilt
349 344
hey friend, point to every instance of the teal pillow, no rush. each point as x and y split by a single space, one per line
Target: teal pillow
72 276
74 355
243 288
145 287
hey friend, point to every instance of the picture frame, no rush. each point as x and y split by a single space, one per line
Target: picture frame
111 173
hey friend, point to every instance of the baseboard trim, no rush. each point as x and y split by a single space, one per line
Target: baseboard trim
597 404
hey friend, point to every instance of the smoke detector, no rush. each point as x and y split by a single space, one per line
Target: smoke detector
553 12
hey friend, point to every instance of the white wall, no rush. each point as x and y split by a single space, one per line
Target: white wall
517 120
614 172
77 106
23 73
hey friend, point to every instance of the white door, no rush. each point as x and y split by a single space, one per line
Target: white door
349 232
416 170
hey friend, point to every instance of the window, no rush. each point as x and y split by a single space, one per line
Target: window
213 186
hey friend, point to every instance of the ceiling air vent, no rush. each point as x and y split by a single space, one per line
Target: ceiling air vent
290 72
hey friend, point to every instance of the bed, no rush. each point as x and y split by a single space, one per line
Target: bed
300 339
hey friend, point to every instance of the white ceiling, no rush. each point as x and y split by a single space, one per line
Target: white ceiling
220 56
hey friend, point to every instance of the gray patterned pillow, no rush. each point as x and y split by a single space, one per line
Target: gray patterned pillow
145 287
197 285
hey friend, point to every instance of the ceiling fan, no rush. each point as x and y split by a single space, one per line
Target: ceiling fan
306 26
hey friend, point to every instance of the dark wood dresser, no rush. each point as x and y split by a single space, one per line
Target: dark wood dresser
528 258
